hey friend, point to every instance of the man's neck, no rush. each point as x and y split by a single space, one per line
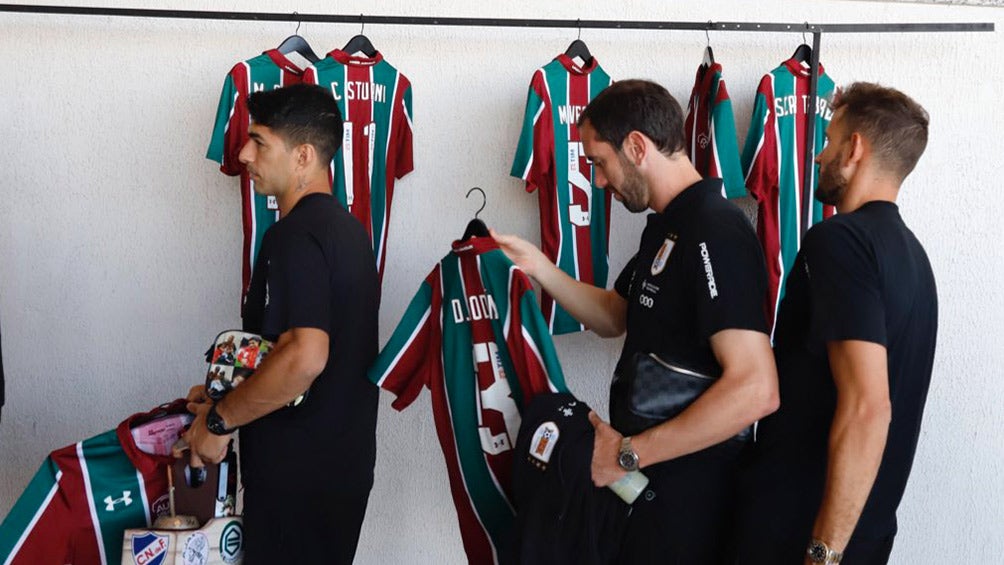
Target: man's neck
293 195
671 176
868 188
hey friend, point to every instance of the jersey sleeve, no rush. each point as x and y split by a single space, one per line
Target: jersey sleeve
624 280
725 145
410 357
729 278
230 131
39 526
402 136
760 150
529 341
534 154
844 286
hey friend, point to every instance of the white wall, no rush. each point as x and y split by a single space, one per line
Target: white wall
119 240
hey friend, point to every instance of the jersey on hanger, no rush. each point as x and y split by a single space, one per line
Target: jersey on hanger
375 101
268 71
711 131
574 213
475 337
85 496
774 158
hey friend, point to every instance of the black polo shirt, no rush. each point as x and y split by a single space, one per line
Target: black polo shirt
858 276
699 270
316 269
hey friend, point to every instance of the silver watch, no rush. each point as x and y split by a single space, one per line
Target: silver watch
627 458
819 552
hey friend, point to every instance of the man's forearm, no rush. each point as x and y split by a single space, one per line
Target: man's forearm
594 307
284 375
857 441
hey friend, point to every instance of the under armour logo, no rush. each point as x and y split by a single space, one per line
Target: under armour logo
111 502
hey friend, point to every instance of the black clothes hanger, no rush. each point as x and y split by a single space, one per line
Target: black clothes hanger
360 42
476 228
578 49
709 55
804 53
297 44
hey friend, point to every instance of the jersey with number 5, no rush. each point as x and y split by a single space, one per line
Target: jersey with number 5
574 212
375 101
475 337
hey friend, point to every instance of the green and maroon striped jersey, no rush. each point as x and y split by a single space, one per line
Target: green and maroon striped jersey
268 71
475 337
85 496
574 212
375 101
774 158
711 131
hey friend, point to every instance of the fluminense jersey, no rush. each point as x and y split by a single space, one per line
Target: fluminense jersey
475 337
574 213
84 497
375 101
268 71
711 131
774 158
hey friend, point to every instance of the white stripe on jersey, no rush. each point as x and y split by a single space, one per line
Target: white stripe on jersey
536 353
568 184
34 519
142 495
407 345
99 538
456 448
508 313
379 247
796 171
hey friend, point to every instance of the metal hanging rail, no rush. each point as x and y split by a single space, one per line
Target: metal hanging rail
815 29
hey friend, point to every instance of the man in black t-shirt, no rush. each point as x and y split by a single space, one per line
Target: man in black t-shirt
854 345
692 293
307 469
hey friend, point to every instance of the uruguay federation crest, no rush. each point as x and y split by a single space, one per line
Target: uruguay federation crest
544 439
149 548
662 256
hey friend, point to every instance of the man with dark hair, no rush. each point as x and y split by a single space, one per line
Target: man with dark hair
854 346
694 294
307 469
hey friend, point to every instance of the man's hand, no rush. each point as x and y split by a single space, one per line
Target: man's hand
525 254
204 446
606 449
198 394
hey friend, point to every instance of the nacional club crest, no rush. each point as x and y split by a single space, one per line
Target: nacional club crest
662 256
544 439
149 548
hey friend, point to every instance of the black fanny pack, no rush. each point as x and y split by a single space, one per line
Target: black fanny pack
659 389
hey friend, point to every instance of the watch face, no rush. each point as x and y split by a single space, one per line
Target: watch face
628 461
817 553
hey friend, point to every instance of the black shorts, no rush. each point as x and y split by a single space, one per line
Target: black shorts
301 528
686 514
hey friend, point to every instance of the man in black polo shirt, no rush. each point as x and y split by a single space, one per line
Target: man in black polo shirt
307 469
692 293
855 346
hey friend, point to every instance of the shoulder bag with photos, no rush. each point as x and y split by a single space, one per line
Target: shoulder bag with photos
661 388
233 357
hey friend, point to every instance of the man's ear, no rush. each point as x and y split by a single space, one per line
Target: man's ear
635 147
305 154
857 144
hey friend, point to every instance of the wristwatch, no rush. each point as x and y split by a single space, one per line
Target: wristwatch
627 458
819 552
216 424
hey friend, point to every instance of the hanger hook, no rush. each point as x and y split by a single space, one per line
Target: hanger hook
578 24
362 25
298 22
803 32
706 34
484 199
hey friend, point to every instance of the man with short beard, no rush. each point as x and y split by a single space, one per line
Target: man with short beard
854 345
693 294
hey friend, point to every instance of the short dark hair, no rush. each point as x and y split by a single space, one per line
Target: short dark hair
301 113
894 124
636 105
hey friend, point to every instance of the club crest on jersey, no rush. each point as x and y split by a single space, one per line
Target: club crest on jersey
196 550
149 548
543 442
160 507
232 542
703 140
662 256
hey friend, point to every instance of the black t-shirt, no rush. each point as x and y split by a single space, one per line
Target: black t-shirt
859 276
316 270
699 270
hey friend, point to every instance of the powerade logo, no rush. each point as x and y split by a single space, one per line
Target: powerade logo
708 271
149 548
